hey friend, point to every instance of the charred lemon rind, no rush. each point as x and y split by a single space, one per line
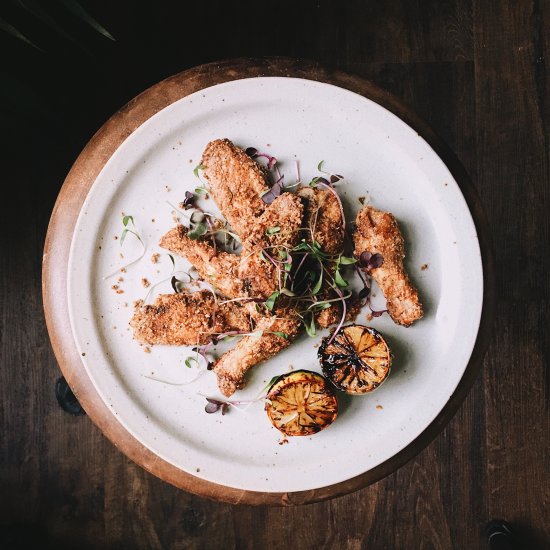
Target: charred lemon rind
356 359
301 403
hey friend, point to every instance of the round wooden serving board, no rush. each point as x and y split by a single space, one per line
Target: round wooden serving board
69 203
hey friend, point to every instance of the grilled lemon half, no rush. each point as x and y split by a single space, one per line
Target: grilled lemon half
356 360
301 403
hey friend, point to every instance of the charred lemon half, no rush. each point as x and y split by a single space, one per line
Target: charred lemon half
356 359
301 403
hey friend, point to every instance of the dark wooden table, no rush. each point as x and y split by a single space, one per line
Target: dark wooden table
476 72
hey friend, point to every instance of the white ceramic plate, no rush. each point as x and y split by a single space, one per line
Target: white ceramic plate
382 159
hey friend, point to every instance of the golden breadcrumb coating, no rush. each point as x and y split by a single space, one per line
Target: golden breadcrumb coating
323 218
377 232
259 274
219 268
236 183
186 319
232 366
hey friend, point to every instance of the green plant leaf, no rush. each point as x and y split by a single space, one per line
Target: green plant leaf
339 280
201 191
76 9
197 168
318 284
127 219
272 230
198 231
270 302
10 29
189 362
320 166
280 334
346 260
310 327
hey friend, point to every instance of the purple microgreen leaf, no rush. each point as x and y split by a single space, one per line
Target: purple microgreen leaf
177 285
378 313
334 178
225 408
270 195
188 201
364 293
364 259
376 261
251 152
212 407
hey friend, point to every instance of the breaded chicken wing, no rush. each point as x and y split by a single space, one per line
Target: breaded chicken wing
186 319
219 268
236 183
232 366
277 227
378 233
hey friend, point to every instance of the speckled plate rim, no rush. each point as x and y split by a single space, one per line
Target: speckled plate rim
70 201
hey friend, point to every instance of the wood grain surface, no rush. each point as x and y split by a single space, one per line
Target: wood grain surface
476 72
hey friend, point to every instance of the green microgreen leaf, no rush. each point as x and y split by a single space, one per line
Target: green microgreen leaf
190 362
270 302
313 182
339 280
346 260
280 334
257 334
201 191
272 230
320 166
271 383
318 284
76 9
196 170
198 231
310 327
127 219
287 292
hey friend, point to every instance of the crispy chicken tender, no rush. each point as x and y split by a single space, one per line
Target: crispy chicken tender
236 183
259 274
186 319
323 218
232 366
378 233
219 268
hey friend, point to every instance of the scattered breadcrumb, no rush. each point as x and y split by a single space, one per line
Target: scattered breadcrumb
121 255
125 304
369 317
283 441
423 267
155 257
168 189
115 287
153 220
145 282
120 279
116 237
361 199
379 407
120 291
147 349
123 270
